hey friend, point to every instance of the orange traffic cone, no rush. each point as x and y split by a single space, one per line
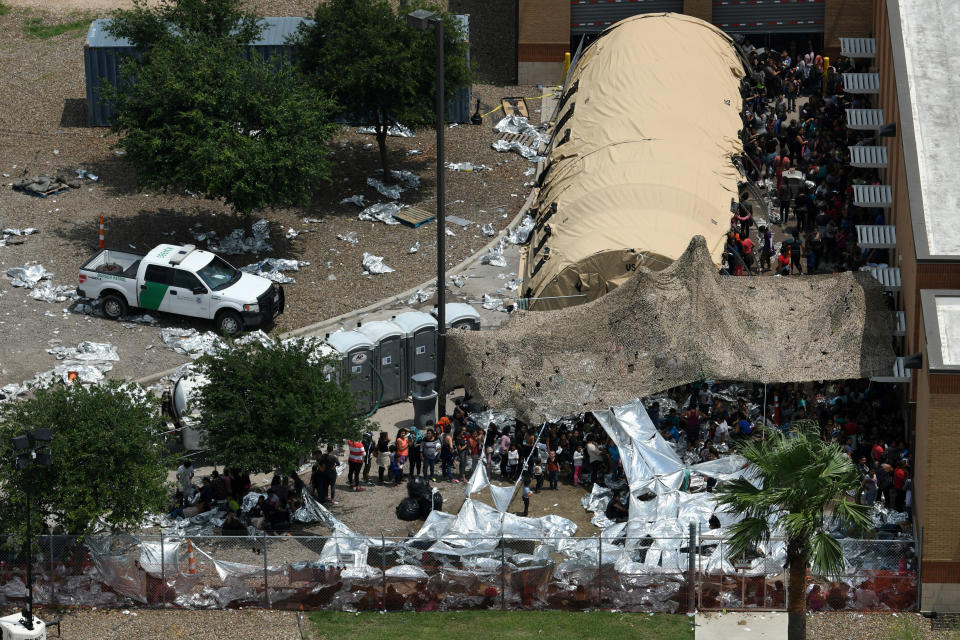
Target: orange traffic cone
101 244
191 561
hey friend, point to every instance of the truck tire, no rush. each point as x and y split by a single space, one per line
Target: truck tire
229 323
113 305
109 267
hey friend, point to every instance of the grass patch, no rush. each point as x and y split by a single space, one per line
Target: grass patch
500 625
4 9
37 29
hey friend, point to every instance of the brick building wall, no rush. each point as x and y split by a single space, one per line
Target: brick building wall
493 38
846 19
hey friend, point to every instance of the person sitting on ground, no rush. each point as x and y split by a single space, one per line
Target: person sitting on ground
175 508
616 509
218 486
232 526
278 520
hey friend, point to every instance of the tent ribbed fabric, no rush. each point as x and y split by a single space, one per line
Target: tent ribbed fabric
640 160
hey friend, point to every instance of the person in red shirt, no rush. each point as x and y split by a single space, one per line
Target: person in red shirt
899 482
877 452
356 452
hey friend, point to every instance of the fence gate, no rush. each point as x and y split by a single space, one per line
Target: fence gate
593 16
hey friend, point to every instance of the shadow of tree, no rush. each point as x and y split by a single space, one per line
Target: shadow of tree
150 227
74 113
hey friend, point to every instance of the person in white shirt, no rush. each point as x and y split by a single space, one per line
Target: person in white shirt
595 456
185 480
577 464
722 432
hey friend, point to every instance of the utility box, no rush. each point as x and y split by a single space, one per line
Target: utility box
420 340
389 358
358 353
461 316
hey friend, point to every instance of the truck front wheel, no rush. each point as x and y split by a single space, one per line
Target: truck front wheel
229 323
114 307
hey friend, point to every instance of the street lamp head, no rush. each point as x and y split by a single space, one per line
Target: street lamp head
42 459
421 19
21 443
43 435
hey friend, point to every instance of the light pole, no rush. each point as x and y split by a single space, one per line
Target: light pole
423 20
32 450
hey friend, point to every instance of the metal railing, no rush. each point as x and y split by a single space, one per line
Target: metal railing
641 574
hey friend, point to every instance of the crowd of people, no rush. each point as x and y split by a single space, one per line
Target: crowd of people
795 146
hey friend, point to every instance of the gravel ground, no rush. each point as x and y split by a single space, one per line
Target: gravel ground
873 626
43 130
147 624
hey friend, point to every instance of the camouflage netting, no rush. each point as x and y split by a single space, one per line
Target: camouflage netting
672 327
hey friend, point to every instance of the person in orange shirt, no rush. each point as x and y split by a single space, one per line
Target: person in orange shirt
402 446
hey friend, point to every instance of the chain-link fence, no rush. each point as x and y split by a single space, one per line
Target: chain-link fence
354 572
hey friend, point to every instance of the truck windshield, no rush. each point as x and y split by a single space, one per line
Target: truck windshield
218 274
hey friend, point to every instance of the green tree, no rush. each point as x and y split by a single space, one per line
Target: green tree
376 67
199 110
801 480
107 458
268 407
146 26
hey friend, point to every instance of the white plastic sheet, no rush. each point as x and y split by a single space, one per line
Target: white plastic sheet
374 264
381 212
28 275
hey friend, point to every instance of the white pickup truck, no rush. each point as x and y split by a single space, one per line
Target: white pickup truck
181 280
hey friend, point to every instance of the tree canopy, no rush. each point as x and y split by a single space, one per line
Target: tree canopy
800 493
107 458
200 110
268 407
377 68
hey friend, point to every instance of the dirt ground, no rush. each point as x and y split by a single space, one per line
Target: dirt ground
43 129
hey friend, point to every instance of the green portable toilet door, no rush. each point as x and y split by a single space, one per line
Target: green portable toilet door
156 282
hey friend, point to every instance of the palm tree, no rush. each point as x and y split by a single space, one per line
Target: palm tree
799 477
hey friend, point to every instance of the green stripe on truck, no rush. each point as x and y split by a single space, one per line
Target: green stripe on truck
152 296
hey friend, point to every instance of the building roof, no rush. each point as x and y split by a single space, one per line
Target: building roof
941 324
928 90
275 32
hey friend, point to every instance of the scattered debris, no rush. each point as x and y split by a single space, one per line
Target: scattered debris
191 342
83 173
374 264
315 220
145 318
238 241
395 131
488 230
463 222
494 256
418 296
494 304
527 152
449 233
45 292
522 233
350 236
293 233
44 185
415 152
414 248
530 171
404 180
357 200
458 280
466 166
382 211
512 285
28 275
271 269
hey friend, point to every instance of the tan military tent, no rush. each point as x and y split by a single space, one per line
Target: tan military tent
640 158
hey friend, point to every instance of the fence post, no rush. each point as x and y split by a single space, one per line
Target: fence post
53 582
266 581
383 571
691 570
503 574
599 569
163 573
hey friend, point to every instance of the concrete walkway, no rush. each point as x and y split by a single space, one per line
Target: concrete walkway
766 625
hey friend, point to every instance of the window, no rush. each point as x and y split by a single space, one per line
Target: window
185 280
158 274
218 274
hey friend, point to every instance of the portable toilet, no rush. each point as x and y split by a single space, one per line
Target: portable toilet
389 358
420 338
461 316
358 353
324 350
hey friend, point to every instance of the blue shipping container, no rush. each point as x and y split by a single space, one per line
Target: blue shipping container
103 54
